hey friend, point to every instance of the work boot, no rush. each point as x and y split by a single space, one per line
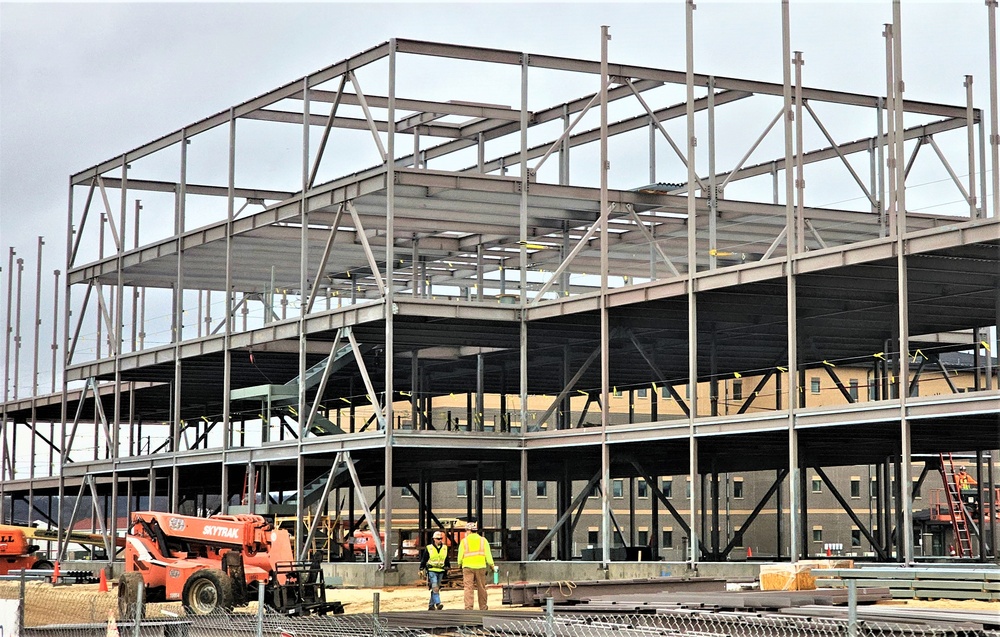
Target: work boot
431 607
439 607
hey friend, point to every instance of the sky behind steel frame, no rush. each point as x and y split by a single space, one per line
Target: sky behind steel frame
80 83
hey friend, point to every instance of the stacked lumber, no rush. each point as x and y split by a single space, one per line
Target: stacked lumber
921 582
799 576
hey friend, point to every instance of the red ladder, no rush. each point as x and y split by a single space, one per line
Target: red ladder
959 519
246 480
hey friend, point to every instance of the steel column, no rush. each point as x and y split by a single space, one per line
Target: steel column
605 328
389 302
991 7
902 301
692 270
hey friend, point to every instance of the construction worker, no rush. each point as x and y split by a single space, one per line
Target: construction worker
964 481
435 562
474 555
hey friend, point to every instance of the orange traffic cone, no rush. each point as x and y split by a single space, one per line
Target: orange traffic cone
103 586
829 552
749 552
55 573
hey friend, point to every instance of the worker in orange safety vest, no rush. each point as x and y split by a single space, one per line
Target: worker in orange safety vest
964 480
474 556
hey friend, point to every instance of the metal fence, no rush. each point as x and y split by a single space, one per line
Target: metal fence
82 611
711 624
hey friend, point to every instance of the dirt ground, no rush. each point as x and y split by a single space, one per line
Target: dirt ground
974 605
84 604
359 600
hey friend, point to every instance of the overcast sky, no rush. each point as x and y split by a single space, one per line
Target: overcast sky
81 83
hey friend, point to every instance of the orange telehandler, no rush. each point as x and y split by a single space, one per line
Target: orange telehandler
16 553
215 563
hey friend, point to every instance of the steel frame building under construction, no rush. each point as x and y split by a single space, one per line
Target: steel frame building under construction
273 298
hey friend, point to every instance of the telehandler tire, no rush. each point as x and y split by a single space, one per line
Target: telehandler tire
128 595
208 591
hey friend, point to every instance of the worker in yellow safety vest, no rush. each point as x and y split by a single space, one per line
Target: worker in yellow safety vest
434 561
474 556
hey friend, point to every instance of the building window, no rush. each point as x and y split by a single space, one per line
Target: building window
817 534
642 538
738 541
592 537
855 486
642 489
642 393
667 487
617 393
738 488
873 489
515 488
737 390
817 485
405 492
687 487
814 384
488 489
460 489
853 390
915 491
668 538
542 489
618 488
855 537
